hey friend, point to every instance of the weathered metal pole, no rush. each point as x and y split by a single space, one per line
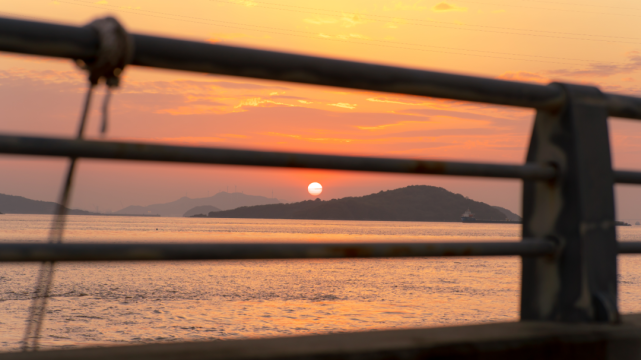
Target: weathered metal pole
579 283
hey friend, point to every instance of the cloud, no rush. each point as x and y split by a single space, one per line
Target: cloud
351 20
286 97
321 20
394 24
445 132
526 76
397 124
247 3
236 85
458 114
343 36
192 110
445 7
259 102
300 137
344 105
382 99
402 6
604 69
345 20
235 136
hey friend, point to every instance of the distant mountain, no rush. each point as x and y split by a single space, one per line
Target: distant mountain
198 210
223 200
412 203
508 214
10 204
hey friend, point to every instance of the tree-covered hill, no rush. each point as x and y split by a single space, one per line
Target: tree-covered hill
412 203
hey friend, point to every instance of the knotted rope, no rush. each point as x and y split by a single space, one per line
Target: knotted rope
115 51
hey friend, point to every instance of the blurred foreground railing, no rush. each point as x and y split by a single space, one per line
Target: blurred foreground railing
568 199
139 252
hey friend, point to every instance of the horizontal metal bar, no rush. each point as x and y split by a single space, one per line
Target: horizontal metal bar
46 39
629 247
38 38
627 177
183 154
623 106
20 252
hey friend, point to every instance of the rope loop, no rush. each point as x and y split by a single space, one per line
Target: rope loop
115 51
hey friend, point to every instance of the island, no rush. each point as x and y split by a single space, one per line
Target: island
411 203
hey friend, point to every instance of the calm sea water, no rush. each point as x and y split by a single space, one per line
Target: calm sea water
138 302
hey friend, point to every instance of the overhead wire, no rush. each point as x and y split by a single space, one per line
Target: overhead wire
418 22
314 35
550 9
584 4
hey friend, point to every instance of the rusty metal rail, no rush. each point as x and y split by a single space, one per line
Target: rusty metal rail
568 177
37 38
629 247
627 177
20 252
183 154
21 145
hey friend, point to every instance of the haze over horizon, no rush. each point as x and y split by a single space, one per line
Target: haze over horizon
536 42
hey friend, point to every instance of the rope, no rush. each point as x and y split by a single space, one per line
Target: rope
114 52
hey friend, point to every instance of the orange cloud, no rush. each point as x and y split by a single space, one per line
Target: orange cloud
344 105
526 76
259 102
299 137
345 20
387 100
444 7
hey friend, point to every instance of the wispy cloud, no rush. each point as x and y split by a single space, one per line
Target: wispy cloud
345 20
344 105
400 5
395 101
602 69
445 7
397 124
526 76
259 102
395 23
247 3
300 137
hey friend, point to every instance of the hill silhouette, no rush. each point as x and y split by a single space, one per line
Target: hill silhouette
11 204
223 200
412 203
508 214
200 210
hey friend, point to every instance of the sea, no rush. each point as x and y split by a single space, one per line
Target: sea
119 303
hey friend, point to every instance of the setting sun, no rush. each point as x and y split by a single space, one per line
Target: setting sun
315 189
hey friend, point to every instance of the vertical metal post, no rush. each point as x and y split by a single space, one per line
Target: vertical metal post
579 283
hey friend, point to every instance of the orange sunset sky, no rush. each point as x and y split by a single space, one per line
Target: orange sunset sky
590 42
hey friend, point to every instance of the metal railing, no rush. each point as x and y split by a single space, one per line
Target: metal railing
569 245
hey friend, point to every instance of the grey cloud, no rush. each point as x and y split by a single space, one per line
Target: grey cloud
235 85
444 132
459 114
603 70
288 97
